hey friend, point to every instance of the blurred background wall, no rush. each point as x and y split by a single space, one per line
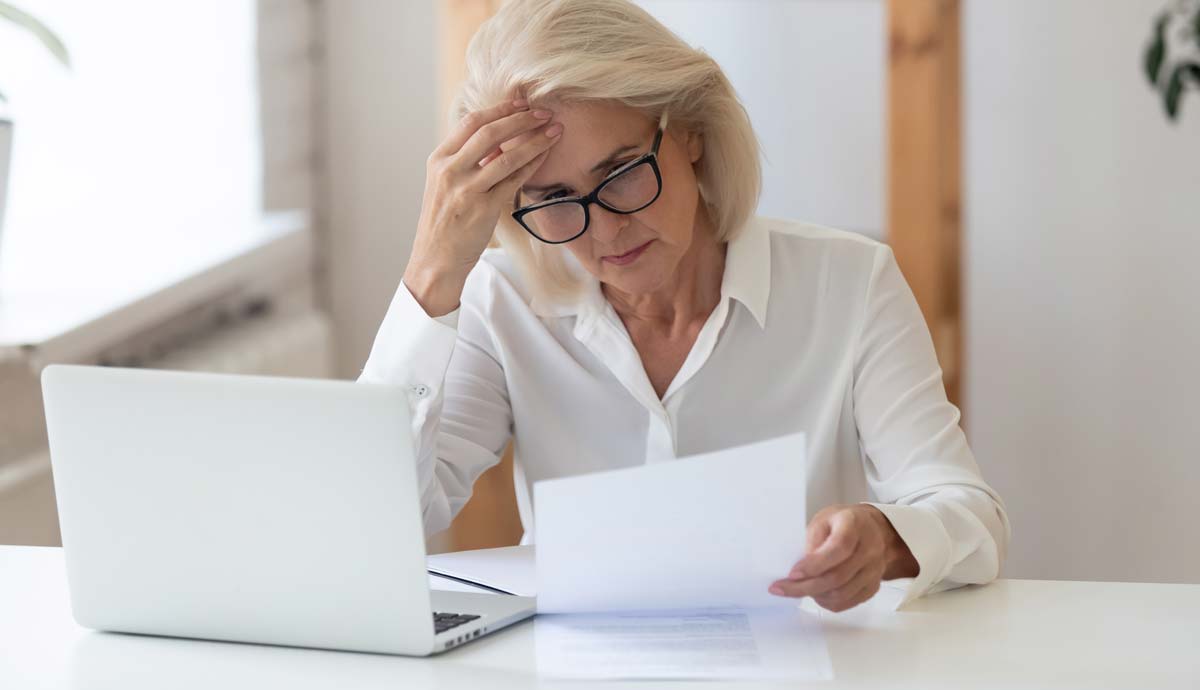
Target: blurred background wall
1082 291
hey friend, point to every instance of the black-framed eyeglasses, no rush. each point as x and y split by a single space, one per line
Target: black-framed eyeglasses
629 189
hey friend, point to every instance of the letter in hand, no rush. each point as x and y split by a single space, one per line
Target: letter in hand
851 550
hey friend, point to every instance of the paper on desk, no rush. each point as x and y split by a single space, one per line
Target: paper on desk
710 530
509 569
781 643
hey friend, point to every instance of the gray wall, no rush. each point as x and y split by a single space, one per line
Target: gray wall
811 73
1082 232
379 125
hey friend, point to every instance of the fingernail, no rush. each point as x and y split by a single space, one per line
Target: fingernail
776 590
542 114
554 130
520 103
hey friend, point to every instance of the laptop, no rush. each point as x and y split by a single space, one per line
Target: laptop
251 509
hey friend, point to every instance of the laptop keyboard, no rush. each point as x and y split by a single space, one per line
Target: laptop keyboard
444 621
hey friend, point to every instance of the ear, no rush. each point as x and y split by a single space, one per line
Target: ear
695 146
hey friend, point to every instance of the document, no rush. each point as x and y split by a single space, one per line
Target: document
505 570
661 571
781 643
703 531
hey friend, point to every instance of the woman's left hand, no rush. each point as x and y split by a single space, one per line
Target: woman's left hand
851 550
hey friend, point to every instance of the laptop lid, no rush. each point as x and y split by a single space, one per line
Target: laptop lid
248 508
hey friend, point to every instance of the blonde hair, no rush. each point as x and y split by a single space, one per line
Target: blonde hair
575 51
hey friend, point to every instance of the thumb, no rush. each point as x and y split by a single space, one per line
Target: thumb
818 531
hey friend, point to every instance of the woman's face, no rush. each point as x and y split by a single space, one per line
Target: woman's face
635 253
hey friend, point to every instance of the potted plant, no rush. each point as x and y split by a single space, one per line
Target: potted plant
27 22
1172 57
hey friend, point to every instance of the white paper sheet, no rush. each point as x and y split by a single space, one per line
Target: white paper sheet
711 530
509 569
448 585
781 643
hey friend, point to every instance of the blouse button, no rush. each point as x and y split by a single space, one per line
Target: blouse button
420 390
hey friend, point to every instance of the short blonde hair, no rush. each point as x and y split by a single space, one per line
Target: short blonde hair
576 51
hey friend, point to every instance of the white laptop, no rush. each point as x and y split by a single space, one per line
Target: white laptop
249 508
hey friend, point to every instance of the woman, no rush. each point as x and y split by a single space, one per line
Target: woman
638 311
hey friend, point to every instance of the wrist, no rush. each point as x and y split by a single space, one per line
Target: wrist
438 291
899 559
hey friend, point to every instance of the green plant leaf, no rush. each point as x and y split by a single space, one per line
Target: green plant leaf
1196 25
1153 61
1157 50
38 29
1173 91
1193 70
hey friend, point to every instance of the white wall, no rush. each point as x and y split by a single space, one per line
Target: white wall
1082 220
380 123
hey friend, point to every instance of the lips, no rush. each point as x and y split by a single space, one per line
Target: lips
628 257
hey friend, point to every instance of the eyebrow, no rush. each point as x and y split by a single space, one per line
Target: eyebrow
598 167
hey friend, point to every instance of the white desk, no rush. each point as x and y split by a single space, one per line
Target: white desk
1010 634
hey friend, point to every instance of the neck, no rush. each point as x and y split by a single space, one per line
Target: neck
690 293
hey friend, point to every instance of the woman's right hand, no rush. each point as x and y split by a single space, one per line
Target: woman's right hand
470 178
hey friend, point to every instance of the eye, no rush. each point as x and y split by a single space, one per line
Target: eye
616 166
563 192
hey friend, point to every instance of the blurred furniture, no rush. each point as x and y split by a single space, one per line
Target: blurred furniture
1011 633
237 299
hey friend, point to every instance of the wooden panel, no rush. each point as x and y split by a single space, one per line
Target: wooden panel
490 518
924 167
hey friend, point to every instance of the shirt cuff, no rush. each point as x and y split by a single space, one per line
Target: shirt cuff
925 536
450 319
412 350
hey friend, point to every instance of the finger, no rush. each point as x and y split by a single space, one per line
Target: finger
833 579
818 532
838 546
852 594
510 162
471 122
489 137
507 146
507 188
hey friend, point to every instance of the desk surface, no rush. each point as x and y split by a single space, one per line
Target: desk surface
1012 633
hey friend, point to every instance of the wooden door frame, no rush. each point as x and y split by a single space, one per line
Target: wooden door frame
924 218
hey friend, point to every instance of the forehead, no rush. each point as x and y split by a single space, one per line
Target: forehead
591 131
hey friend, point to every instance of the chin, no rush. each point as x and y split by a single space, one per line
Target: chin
635 279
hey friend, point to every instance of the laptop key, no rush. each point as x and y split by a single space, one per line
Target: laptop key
444 621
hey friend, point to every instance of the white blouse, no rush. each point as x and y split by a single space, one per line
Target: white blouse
816 331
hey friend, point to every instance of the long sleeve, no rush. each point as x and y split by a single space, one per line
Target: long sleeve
461 416
919 465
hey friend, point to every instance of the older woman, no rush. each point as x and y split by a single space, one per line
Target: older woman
639 311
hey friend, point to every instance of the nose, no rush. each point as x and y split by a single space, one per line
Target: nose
604 225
